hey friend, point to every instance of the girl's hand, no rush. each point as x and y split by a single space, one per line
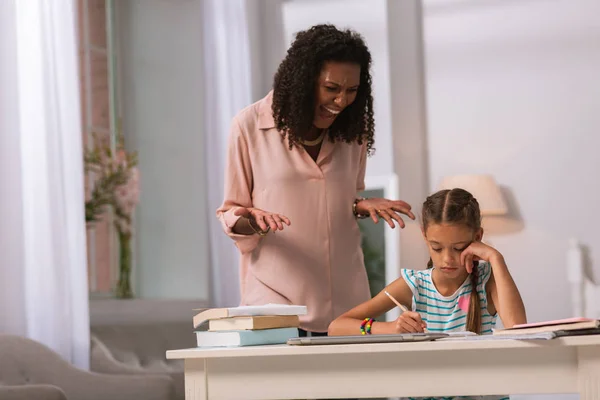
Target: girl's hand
478 251
263 219
409 322
389 210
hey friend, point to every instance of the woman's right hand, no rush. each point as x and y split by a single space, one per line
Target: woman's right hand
263 219
409 322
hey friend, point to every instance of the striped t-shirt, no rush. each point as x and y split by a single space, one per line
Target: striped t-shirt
449 313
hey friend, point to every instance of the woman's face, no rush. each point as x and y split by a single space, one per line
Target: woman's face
336 89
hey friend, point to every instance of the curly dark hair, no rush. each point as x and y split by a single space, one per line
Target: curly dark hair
296 80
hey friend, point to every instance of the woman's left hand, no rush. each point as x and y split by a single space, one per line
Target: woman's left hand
478 251
389 210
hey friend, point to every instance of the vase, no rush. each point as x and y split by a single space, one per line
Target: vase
123 289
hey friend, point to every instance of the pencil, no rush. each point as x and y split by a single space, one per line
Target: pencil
404 309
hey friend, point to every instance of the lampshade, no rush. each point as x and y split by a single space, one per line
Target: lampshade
483 188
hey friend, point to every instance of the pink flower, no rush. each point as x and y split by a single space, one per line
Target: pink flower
109 167
127 198
121 158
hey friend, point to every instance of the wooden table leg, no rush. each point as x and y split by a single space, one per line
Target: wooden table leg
588 359
196 387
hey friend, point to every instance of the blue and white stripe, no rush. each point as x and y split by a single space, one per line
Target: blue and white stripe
443 314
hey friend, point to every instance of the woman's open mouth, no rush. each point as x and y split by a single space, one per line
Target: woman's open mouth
329 113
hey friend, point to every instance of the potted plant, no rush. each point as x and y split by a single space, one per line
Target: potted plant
114 186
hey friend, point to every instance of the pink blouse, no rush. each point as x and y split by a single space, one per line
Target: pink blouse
317 261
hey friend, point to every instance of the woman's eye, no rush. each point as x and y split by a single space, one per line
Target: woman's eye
330 89
461 250
436 250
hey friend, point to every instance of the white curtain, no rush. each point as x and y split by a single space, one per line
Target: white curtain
43 269
228 90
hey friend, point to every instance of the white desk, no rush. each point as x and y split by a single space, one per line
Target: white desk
566 365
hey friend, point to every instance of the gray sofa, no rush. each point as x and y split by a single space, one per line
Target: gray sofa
32 392
132 336
140 350
30 370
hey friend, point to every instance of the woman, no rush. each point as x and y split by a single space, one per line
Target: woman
296 160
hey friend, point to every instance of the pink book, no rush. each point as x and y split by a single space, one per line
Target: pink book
555 322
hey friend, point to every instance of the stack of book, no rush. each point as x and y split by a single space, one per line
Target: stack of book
552 329
248 325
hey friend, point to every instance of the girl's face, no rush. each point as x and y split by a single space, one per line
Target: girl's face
446 242
336 89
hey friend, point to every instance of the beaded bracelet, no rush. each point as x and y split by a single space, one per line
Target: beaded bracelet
365 326
256 228
356 214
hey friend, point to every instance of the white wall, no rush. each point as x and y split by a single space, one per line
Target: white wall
408 119
161 88
12 254
513 90
267 43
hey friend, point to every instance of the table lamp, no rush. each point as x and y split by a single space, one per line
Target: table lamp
483 188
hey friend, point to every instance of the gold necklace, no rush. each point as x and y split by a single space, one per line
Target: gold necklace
314 142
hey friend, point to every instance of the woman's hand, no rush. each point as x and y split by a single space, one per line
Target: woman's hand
389 210
263 219
479 251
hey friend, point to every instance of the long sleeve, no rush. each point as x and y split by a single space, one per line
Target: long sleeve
238 187
362 169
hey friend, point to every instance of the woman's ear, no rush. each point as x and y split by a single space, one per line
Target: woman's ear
479 235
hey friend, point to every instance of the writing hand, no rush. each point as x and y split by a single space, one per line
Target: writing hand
409 322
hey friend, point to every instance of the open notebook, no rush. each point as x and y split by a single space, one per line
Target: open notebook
569 324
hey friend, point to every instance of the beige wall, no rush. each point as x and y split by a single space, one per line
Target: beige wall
95 118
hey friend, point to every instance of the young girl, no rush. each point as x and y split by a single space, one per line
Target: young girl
467 283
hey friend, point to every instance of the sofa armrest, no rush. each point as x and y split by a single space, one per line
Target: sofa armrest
32 392
25 361
102 360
